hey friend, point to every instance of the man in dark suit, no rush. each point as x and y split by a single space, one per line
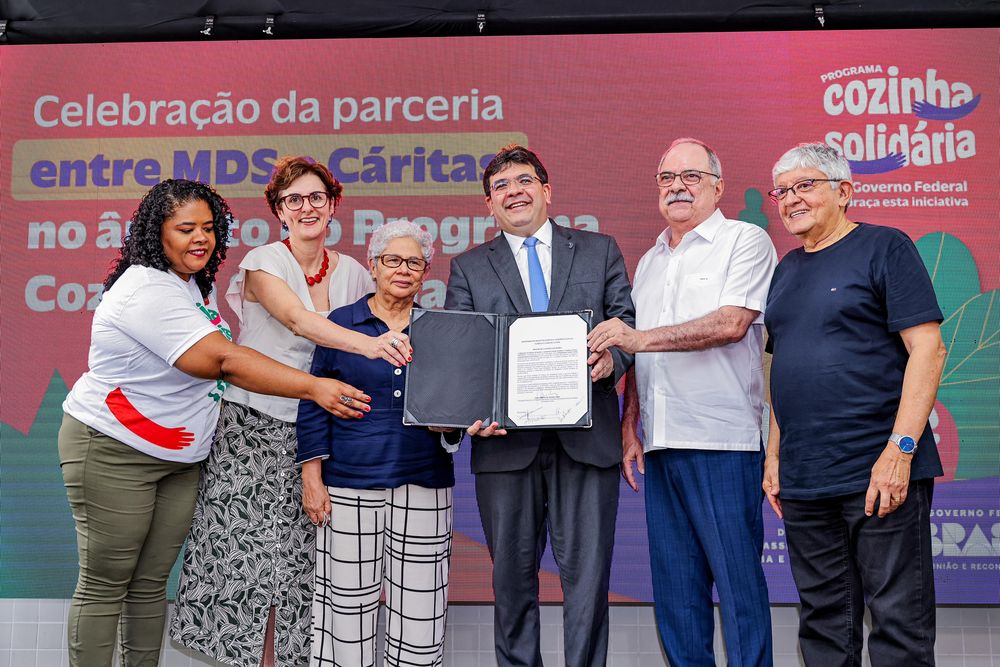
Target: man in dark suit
563 481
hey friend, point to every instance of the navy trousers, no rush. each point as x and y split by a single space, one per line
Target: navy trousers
703 512
842 560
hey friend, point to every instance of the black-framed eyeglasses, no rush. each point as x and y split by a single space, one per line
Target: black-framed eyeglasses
688 177
799 188
412 263
294 201
524 180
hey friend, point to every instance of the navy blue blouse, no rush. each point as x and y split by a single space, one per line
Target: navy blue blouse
376 451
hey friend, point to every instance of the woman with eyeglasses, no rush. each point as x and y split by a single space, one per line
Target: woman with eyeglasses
389 485
246 588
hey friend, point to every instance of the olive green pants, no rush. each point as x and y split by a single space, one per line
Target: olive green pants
132 513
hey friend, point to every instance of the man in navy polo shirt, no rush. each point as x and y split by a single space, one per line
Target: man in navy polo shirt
853 325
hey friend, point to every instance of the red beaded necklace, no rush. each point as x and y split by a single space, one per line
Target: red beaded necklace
318 278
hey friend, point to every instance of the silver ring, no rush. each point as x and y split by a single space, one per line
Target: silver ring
394 343
346 400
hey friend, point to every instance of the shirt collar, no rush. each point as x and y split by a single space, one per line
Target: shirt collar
361 312
706 230
543 234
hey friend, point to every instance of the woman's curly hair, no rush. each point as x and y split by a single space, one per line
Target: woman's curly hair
143 244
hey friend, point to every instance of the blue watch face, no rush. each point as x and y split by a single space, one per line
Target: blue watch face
907 444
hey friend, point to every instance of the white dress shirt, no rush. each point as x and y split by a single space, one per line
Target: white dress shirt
544 250
714 398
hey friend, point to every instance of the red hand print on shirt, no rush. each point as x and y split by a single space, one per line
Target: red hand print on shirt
145 428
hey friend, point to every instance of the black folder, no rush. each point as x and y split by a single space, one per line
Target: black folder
459 370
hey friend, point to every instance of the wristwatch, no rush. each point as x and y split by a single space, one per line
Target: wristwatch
906 444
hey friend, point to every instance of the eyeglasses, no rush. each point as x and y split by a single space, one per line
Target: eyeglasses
293 202
524 180
412 263
799 188
688 177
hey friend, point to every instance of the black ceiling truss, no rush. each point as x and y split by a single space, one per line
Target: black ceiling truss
82 21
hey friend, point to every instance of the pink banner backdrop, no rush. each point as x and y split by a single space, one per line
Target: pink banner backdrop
408 125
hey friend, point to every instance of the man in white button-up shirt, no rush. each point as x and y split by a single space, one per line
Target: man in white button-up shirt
698 385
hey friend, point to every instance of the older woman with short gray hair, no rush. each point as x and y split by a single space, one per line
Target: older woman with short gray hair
389 485
399 229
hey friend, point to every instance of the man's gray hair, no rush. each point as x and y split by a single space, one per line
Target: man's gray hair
814 156
398 229
714 164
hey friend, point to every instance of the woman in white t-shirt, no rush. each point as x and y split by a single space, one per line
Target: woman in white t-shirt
141 419
246 589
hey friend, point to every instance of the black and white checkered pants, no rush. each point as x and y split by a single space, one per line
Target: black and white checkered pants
396 541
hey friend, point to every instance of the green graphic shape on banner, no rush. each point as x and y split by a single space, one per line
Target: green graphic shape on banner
970 383
952 269
754 211
38 549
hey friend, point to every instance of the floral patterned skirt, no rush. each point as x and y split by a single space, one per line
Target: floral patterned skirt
251 547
